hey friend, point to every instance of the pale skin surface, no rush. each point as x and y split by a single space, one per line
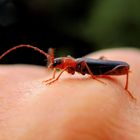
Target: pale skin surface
74 108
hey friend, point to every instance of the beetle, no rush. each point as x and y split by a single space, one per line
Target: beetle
93 67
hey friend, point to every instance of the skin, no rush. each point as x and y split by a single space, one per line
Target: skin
73 108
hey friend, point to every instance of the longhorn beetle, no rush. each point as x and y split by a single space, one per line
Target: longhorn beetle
93 67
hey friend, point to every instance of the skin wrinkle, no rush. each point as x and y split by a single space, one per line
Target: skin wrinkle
86 130
122 128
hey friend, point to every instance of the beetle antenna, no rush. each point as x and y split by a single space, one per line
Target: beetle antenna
26 46
51 54
51 58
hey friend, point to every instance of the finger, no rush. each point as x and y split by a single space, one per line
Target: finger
72 108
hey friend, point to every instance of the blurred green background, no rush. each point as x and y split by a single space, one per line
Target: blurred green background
73 27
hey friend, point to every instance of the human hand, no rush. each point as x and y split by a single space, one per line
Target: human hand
73 108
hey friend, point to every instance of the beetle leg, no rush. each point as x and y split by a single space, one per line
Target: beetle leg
113 71
126 86
92 75
105 76
102 58
53 77
53 80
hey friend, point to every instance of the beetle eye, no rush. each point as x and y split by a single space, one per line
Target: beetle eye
57 62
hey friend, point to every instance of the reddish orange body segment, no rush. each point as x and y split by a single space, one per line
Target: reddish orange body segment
93 67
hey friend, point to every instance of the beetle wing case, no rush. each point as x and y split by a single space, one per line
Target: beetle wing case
103 67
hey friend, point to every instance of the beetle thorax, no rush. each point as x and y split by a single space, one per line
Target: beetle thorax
63 62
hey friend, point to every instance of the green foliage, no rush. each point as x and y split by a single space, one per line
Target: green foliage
108 23
114 22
